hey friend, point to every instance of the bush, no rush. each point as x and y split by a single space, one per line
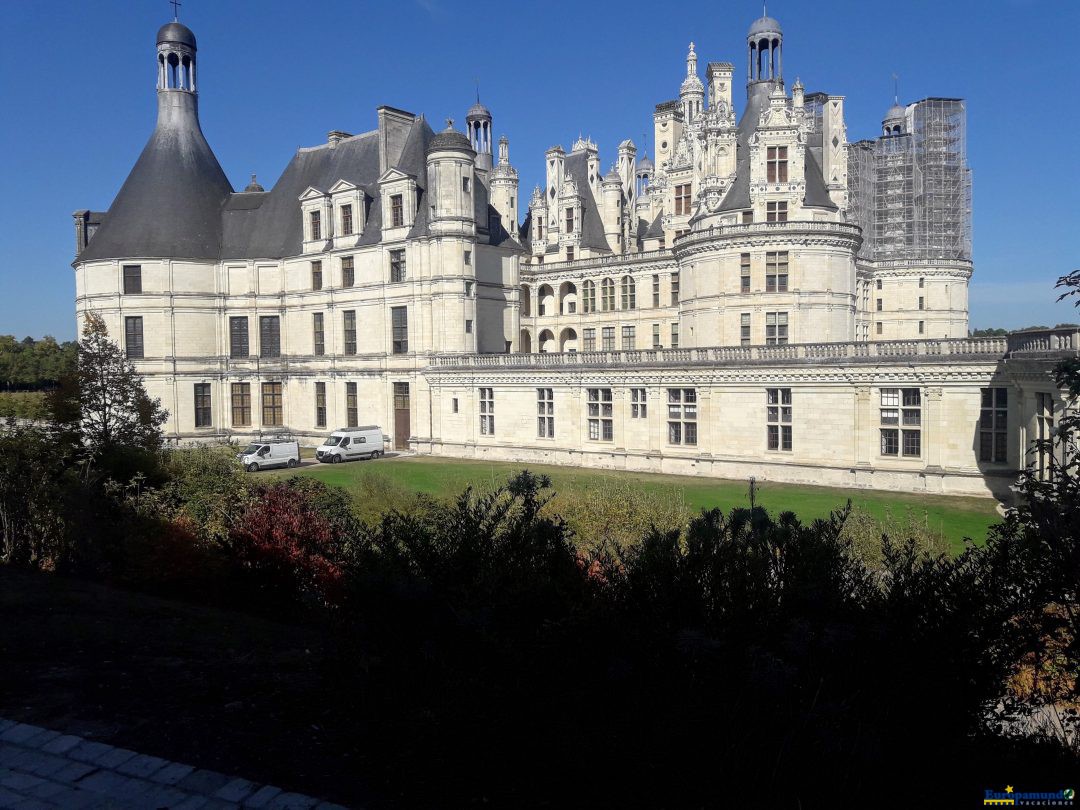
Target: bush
206 488
866 534
23 405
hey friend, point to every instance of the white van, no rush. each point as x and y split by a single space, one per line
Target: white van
351 443
265 455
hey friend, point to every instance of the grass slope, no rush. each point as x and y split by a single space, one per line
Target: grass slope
954 517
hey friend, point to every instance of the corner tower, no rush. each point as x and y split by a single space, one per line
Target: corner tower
170 204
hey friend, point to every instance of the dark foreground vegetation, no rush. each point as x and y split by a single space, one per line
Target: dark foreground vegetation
471 654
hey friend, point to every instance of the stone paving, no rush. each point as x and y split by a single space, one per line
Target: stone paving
45 769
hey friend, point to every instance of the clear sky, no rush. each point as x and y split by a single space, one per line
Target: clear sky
77 86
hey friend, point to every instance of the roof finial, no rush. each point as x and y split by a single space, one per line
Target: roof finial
175 9
449 123
477 90
896 89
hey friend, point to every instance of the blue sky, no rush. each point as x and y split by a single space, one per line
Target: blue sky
77 83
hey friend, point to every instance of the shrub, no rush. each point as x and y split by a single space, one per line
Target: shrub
865 532
206 488
23 405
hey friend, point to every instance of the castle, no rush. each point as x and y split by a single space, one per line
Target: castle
765 299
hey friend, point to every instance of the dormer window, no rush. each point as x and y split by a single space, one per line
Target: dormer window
397 211
569 220
315 218
346 220
777 164
682 199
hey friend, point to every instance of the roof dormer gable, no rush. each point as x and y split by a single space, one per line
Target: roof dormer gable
311 193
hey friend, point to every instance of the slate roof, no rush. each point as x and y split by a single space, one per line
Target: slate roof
171 203
592 225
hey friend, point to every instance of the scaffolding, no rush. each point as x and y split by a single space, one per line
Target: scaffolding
911 192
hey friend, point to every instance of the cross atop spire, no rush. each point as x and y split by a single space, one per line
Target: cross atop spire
175 9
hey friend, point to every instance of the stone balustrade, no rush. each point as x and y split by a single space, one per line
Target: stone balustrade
1054 340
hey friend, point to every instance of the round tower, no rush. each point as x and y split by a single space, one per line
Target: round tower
478 125
611 208
450 182
176 58
643 175
765 51
895 120
504 188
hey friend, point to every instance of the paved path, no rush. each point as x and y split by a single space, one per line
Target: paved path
45 769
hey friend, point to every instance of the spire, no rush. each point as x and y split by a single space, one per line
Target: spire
691 62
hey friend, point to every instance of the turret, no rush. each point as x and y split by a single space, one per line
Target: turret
612 209
504 188
692 92
765 51
170 204
450 183
478 125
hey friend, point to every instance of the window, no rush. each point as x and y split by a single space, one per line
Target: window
744 272
901 420
238 338
879 305
352 411
607 294
241 404
638 403
674 289
569 220
399 322
348 273
315 218
656 344
133 337
397 211
656 291
318 334
682 199
776 159
776 271
878 329
778 419
397 266
589 340
608 335
994 425
1044 433
454 405
682 415
922 282
747 217
487 412
320 404
272 411
599 411
203 416
879 283
629 293
469 289
921 302
132 279
349 325
269 336
569 253
628 342
468 258
545 413
465 184
776 212
468 327
675 335
346 221
588 297
922 327
744 329
776 328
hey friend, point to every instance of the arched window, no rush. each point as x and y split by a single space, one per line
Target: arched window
525 342
545 304
607 295
547 341
567 298
526 301
629 293
568 341
588 297
174 71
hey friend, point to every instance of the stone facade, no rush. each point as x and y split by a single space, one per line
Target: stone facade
716 313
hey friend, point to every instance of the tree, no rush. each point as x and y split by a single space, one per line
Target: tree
107 394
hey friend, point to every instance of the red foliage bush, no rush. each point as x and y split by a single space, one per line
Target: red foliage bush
288 550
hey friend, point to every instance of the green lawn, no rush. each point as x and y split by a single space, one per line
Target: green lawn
953 517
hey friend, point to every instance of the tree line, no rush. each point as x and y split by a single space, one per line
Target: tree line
34 365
